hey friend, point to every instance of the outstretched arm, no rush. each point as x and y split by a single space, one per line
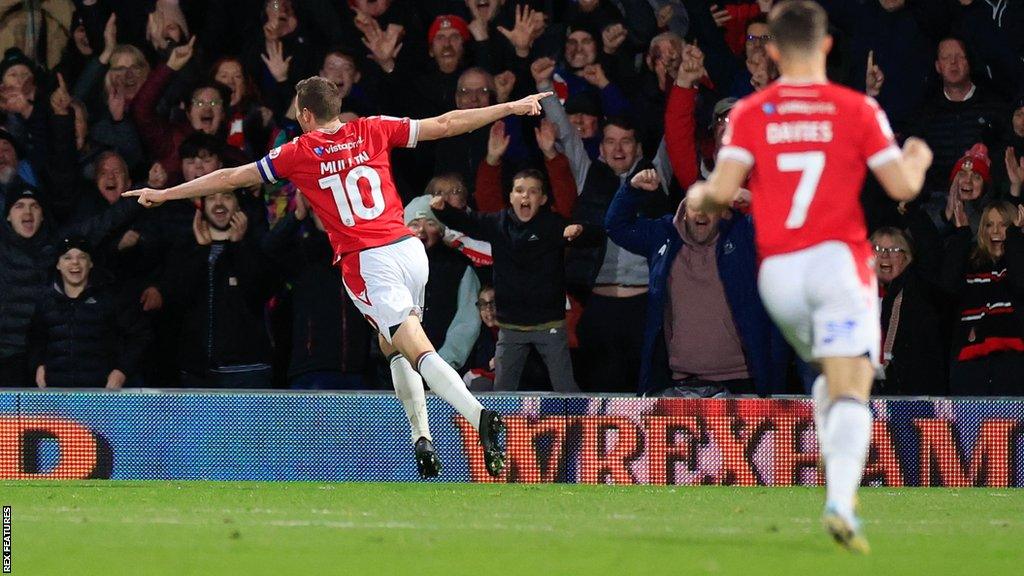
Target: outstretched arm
462 121
721 187
223 180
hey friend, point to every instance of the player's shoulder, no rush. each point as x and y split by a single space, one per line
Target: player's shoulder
845 97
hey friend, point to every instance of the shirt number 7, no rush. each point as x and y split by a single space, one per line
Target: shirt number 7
810 165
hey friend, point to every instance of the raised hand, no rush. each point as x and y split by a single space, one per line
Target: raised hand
151 299
547 135
109 39
1015 171
201 230
917 151
691 67
874 78
147 196
275 61
528 26
664 16
477 25
542 70
157 176
612 37
60 100
504 83
529 106
239 224
720 15
129 240
594 74
648 180
384 46
116 103
181 55
572 232
497 143
765 5
81 40
41 377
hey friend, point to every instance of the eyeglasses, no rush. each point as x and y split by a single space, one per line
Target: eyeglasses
210 103
759 39
883 250
474 91
722 119
485 304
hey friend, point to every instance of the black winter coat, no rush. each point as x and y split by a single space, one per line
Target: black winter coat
222 315
328 332
81 340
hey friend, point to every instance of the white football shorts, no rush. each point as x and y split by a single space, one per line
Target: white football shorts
824 299
387 283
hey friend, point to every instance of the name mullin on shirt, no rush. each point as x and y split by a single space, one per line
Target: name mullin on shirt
335 166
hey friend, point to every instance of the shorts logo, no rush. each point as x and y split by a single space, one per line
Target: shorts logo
839 331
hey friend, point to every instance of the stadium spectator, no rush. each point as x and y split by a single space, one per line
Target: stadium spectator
453 188
205 111
330 342
983 272
612 281
450 317
20 88
479 376
528 241
959 116
80 336
219 287
913 332
707 333
969 187
27 243
14 172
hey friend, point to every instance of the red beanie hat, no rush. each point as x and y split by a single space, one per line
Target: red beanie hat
448 21
974 160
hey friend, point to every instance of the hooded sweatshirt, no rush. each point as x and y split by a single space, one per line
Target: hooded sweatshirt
700 334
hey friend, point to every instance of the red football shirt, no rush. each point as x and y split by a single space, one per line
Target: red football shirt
809 147
346 177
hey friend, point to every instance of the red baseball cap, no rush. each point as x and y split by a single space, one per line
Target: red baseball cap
448 21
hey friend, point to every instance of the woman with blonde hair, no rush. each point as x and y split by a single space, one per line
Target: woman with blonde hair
986 276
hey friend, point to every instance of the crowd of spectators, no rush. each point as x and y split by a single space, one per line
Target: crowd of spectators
563 255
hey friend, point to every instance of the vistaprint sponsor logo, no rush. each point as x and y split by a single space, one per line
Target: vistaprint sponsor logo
339 147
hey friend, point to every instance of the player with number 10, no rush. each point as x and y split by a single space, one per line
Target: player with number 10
344 171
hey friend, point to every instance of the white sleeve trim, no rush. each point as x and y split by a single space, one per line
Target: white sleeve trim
884 156
265 171
414 133
736 153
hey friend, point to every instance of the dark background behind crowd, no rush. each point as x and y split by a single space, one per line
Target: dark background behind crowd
652 297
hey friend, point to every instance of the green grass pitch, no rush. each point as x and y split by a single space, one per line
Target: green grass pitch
181 528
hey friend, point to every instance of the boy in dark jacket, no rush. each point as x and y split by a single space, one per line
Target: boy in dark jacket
528 243
80 335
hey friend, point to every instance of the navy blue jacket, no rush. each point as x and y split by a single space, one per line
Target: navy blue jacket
766 352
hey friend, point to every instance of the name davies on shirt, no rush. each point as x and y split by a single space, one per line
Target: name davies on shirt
801 130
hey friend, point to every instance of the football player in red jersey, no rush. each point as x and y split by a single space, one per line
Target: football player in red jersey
806 145
344 171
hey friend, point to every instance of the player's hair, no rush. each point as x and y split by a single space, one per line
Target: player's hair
320 96
982 254
536 175
899 237
198 142
798 25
